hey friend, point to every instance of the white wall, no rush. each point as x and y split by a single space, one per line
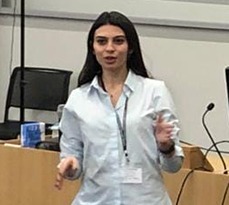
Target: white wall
191 61
194 72
146 9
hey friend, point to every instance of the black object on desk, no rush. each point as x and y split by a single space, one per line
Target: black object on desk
51 144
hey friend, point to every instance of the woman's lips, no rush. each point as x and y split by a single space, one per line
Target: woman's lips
110 59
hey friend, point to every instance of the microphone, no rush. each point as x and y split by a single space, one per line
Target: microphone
209 108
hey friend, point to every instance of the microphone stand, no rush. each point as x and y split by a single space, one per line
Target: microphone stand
22 83
212 140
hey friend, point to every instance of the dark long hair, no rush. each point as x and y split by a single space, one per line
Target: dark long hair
135 62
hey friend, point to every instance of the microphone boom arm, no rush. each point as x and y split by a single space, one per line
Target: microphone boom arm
213 142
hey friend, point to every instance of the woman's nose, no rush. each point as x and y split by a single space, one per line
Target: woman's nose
110 46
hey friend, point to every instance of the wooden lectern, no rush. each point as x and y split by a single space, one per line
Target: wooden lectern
195 159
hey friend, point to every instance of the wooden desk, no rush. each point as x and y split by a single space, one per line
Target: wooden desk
201 188
27 178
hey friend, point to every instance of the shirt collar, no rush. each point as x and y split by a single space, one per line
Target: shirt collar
129 84
131 81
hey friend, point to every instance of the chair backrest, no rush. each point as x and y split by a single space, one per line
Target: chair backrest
44 89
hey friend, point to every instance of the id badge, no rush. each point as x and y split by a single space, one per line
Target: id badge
131 175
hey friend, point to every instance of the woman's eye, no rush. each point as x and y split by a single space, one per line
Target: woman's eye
115 41
119 41
101 41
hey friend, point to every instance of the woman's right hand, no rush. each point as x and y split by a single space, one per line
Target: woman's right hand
66 167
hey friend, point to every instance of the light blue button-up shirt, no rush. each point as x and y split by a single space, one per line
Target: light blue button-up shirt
91 134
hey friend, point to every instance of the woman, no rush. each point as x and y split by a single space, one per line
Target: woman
119 126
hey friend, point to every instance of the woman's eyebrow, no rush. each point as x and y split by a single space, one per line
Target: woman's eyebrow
118 36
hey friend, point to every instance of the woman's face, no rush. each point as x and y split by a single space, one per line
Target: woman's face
110 47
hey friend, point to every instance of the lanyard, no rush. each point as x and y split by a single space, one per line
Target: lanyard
122 129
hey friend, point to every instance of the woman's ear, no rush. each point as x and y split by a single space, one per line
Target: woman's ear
130 51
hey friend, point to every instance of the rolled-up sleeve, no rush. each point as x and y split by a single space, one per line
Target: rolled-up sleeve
174 163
